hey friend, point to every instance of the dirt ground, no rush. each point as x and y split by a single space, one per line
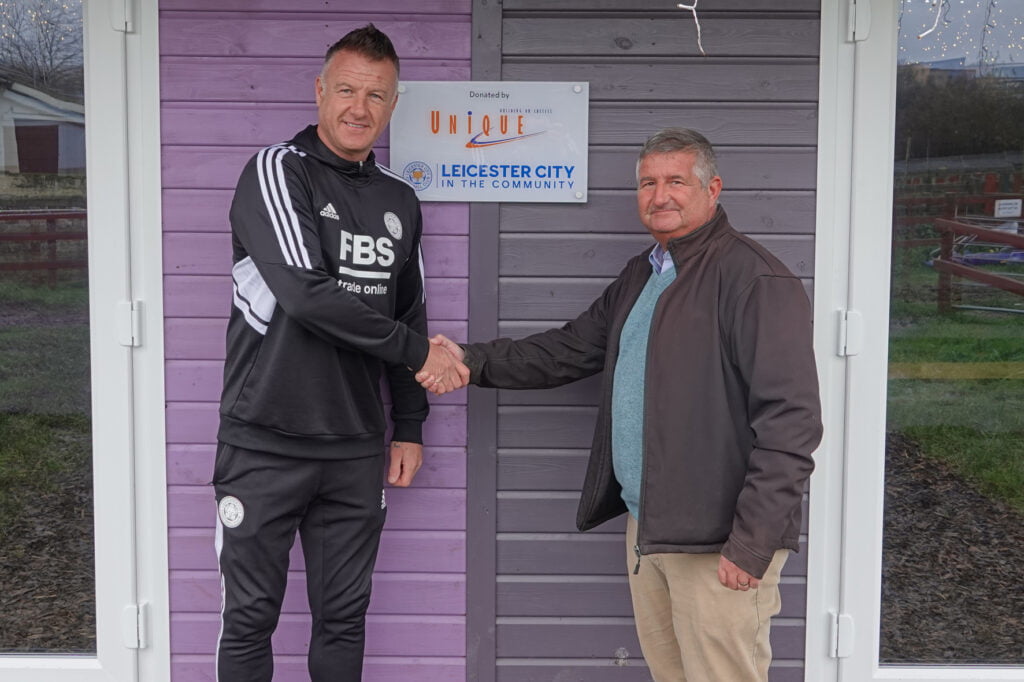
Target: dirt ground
952 567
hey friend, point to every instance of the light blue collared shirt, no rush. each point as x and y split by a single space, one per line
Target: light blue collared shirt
661 260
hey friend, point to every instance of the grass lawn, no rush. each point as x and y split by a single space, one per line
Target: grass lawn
44 390
36 451
974 424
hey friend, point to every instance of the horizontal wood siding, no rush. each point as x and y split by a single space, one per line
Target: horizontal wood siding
562 608
237 75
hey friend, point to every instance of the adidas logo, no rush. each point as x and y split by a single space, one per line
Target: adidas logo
329 212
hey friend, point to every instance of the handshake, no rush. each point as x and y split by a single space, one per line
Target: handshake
443 371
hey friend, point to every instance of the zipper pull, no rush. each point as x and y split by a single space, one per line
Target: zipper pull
636 548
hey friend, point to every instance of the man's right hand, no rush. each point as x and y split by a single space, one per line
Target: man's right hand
443 371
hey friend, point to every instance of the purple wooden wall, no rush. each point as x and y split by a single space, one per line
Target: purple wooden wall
237 75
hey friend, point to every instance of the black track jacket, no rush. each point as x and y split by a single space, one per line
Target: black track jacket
328 290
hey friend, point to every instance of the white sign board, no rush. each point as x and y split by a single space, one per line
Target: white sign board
492 140
1007 208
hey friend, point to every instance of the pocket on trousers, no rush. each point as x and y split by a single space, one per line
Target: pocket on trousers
222 463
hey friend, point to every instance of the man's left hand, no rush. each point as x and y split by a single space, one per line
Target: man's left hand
406 460
734 577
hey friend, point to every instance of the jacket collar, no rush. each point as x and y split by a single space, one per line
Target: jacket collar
309 142
694 244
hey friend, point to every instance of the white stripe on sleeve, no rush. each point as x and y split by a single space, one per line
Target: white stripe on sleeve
252 296
278 202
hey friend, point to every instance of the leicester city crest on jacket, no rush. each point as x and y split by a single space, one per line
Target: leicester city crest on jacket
394 225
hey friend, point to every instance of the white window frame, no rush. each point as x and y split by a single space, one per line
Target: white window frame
857 94
125 261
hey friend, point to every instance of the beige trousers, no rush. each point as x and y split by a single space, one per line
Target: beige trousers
694 629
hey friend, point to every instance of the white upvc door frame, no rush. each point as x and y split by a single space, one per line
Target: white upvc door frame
854 217
126 355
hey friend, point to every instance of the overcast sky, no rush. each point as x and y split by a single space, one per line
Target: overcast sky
962 32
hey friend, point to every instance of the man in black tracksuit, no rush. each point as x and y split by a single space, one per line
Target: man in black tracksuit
328 292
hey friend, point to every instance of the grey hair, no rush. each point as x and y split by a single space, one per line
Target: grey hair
670 140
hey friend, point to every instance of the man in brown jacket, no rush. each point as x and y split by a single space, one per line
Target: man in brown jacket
708 417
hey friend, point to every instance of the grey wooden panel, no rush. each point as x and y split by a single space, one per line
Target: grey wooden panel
568 255
763 212
736 123
595 552
592 553
582 392
662 80
749 168
520 469
586 638
755 98
537 514
597 597
571 597
552 257
672 35
544 427
547 298
584 671
608 671
583 638
653 5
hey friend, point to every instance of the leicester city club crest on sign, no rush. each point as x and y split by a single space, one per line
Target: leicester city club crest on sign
418 175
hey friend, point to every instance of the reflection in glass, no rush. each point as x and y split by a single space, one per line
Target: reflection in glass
953 560
47 590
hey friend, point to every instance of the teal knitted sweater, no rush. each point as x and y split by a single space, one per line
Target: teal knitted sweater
628 390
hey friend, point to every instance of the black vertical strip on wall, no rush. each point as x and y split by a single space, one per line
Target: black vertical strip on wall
482 412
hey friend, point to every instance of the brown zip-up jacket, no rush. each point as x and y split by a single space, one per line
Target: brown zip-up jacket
731 411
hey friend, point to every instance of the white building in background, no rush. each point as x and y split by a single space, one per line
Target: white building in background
40 133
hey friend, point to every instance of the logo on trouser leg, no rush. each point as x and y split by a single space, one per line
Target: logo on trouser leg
231 511
383 502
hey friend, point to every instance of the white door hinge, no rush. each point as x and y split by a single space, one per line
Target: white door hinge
134 628
858 20
122 15
842 635
851 333
129 323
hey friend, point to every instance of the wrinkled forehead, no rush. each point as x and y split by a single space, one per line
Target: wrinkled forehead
666 164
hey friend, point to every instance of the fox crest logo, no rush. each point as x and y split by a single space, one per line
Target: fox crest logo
394 225
231 511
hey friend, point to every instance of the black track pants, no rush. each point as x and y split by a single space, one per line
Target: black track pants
338 509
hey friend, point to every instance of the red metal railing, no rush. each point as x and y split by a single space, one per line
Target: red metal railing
947 268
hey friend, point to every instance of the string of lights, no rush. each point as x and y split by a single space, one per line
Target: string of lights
978 32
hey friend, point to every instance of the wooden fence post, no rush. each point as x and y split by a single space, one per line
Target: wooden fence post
51 251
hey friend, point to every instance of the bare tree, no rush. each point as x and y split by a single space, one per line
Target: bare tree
41 43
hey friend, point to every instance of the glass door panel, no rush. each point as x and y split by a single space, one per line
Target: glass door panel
47 588
953 530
